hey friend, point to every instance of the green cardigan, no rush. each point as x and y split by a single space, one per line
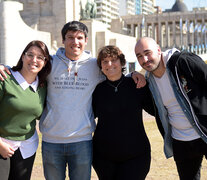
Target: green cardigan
19 109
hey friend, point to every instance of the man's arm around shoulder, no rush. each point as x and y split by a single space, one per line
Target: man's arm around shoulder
3 69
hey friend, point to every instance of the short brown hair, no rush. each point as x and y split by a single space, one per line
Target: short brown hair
74 26
111 51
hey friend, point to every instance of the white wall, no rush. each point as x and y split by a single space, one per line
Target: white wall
15 34
100 36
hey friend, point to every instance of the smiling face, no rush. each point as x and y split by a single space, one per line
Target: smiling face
148 54
74 42
112 68
33 61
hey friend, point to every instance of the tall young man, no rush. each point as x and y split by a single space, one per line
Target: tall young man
67 122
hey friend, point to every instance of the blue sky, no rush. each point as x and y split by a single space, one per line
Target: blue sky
167 4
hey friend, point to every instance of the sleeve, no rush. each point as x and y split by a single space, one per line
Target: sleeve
159 123
148 104
150 107
1 90
193 67
94 103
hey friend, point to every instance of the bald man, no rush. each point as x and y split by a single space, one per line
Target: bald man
178 82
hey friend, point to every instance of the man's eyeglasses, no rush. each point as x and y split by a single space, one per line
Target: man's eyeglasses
31 56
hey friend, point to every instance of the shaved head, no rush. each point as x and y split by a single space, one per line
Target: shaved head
145 41
148 54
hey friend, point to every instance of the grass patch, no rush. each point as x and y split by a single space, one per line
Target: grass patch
161 168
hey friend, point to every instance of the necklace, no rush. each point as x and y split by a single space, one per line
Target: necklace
69 67
115 87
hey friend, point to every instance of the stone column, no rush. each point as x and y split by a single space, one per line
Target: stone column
202 33
141 30
153 30
181 33
138 31
166 34
160 34
135 31
187 34
150 31
193 41
196 37
132 30
146 30
174 33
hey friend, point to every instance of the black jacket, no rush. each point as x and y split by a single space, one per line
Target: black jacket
190 73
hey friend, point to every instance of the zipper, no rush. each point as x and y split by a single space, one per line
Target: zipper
189 103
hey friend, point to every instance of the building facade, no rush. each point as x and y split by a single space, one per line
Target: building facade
144 6
25 20
126 7
138 6
107 10
171 29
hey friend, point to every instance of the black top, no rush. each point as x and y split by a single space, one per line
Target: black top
190 72
120 133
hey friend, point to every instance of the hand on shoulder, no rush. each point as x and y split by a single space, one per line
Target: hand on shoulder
3 69
139 79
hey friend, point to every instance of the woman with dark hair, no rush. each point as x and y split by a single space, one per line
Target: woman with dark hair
22 98
120 145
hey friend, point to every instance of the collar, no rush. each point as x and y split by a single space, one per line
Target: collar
117 81
166 55
23 83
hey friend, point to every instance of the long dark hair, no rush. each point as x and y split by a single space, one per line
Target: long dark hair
46 69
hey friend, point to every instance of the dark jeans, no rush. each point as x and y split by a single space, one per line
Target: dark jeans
188 156
16 168
133 169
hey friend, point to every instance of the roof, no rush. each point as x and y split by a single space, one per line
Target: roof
179 6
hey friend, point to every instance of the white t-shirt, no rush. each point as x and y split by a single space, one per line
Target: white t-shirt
181 127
